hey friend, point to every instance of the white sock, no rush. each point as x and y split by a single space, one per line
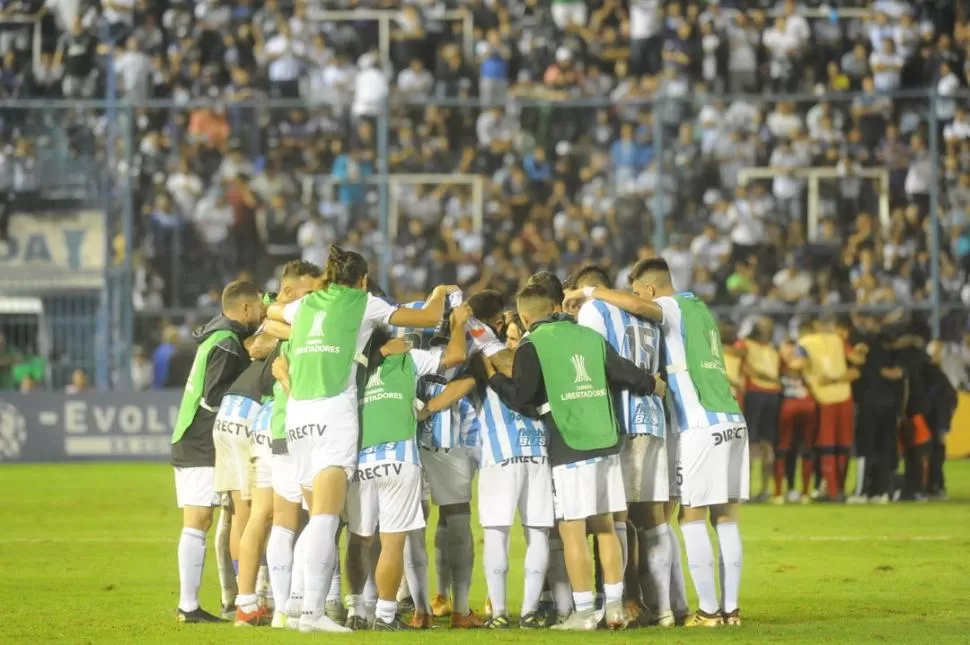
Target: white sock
441 568
584 600
370 589
613 592
263 589
294 604
279 561
496 561
461 559
729 545
620 529
416 570
535 567
321 560
191 555
333 594
247 602
227 572
678 586
355 605
386 610
860 476
559 579
654 571
700 560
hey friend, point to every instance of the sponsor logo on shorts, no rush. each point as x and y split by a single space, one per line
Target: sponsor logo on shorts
728 435
523 460
231 427
380 470
304 431
260 439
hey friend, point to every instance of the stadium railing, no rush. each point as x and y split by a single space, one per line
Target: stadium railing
94 185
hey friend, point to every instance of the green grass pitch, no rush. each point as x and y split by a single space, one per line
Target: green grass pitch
87 555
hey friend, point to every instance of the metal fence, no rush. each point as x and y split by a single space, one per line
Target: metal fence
105 253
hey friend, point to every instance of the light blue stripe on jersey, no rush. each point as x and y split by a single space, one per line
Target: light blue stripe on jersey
404 451
262 420
638 341
437 430
507 434
469 427
234 406
420 338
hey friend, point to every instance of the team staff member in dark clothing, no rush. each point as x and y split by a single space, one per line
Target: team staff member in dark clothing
568 373
941 404
916 434
219 360
881 400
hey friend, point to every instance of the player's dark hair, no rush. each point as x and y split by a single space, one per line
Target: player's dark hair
300 269
535 293
374 289
593 275
238 291
344 267
649 265
486 304
550 282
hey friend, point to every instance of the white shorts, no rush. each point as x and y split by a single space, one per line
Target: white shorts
285 483
230 433
675 475
261 449
714 463
450 474
385 494
644 462
588 488
321 436
196 487
523 483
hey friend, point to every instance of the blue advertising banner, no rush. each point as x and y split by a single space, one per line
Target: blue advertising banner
118 426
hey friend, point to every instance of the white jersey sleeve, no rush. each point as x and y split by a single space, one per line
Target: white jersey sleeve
589 316
672 315
426 361
377 313
289 311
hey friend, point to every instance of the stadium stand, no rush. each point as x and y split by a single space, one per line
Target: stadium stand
782 153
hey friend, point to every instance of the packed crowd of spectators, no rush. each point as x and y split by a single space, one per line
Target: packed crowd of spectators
678 97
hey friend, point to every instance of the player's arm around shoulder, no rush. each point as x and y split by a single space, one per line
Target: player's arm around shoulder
625 300
626 375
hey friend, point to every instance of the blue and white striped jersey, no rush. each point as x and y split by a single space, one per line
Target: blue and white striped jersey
425 362
447 429
506 434
636 340
262 420
237 407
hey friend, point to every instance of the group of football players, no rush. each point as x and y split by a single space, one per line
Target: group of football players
325 413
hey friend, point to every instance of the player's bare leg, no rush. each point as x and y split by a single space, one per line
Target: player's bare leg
359 567
579 566
251 543
196 521
388 575
240 516
279 554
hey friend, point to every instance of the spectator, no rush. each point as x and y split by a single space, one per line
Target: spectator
79 384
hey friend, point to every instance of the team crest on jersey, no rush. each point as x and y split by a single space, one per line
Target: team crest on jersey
579 366
316 326
375 380
715 344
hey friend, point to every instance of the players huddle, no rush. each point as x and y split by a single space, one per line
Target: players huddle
873 390
587 412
